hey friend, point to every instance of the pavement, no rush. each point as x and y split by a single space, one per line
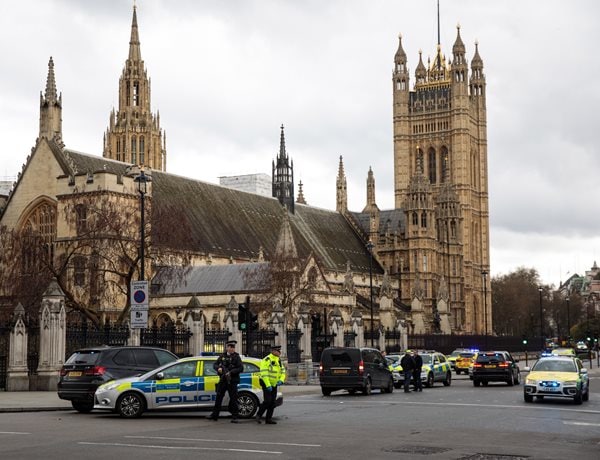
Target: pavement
37 401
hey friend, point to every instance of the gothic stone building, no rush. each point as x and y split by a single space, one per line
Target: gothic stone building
425 256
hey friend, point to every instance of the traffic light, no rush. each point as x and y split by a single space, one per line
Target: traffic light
252 322
242 317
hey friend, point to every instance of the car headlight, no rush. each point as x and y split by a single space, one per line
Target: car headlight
570 382
108 386
531 382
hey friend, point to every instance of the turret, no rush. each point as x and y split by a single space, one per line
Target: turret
477 82
51 109
341 194
283 176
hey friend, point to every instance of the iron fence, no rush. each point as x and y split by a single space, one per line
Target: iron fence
85 334
258 343
4 344
350 338
215 340
171 337
294 352
393 343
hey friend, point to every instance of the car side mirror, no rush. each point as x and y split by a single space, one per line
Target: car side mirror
160 376
526 368
516 360
583 370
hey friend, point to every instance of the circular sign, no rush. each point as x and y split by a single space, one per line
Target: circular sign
139 296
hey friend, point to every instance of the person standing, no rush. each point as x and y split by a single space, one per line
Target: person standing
228 366
408 364
418 384
272 375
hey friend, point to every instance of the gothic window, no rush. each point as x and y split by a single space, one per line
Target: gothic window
419 160
118 149
127 93
425 264
134 150
142 152
79 271
312 277
432 166
453 229
39 232
81 219
445 164
424 219
136 93
415 218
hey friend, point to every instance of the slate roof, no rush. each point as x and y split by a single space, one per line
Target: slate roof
228 222
391 219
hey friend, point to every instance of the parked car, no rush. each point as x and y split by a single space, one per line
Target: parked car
452 357
88 368
496 366
189 383
435 368
557 377
464 361
352 369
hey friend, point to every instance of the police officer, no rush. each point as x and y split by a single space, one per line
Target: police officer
408 365
228 366
418 385
272 375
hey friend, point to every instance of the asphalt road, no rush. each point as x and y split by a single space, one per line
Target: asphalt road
456 422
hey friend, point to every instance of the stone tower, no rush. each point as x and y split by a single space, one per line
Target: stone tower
283 176
441 180
134 134
51 109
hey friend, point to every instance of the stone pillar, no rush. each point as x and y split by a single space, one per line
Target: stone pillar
135 336
17 378
381 340
279 325
52 337
402 326
358 328
230 322
304 324
194 320
336 326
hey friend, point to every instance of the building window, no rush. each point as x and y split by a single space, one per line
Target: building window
134 150
415 218
39 233
425 264
142 156
136 93
81 219
432 166
79 271
424 219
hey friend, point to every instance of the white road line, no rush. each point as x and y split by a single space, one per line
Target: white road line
13 432
580 423
223 440
148 446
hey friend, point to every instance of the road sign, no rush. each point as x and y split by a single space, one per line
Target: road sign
139 295
139 319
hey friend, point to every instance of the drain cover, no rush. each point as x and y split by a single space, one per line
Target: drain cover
423 450
494 457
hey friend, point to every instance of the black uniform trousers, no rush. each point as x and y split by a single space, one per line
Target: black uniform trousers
226 386
417 379
269 402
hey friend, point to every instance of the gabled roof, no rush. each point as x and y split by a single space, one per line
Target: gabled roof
228 222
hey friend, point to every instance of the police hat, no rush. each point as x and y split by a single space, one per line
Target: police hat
231 343
276 348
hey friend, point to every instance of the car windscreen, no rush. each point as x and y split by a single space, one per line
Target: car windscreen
554 366
426 359
340 358
84 357
467 355
490 358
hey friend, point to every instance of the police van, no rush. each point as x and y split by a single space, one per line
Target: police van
189 383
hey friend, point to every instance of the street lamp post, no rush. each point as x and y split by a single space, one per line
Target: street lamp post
370 249
142 181
485 273
568 321
541 321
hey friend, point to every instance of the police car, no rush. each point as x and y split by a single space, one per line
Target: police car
436 368
189 383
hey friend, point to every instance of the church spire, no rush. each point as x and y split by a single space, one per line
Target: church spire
283 176
301 198
341 201
134 134
51 109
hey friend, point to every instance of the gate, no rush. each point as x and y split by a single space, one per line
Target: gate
174 338
372 339
294 352
350 339
84 334
257 344
215 340
393 343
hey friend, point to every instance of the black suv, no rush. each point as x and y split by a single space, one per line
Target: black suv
352 369
496 366
88 368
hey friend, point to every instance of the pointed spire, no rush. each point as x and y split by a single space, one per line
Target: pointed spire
50 93
134 42
341 189
459 46
300 199
420 71
476 62
286 246
282 152
400 54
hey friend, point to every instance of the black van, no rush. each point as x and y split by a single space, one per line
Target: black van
345 368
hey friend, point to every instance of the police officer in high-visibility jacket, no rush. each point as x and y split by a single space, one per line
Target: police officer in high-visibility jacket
272 375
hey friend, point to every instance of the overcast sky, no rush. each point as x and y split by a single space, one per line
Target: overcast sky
226 74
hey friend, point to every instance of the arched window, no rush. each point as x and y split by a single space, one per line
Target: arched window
39 233
312 277
415 218
142 153
445 164
424 219
432 165
79 271
134 150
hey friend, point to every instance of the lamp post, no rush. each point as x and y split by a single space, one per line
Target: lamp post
541 322
142 181
370 249
568 321
485 273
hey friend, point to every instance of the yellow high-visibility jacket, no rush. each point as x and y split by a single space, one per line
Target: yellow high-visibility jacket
272 370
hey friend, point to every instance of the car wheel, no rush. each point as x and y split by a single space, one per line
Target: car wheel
586 395
517 380
130 405
475 382
84 407
577 399
326 391
510 382
367 388
448 380
527 398
390 387
430 380
247 405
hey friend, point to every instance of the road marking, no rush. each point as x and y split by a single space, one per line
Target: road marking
13 432
149 446
223 440
581 423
